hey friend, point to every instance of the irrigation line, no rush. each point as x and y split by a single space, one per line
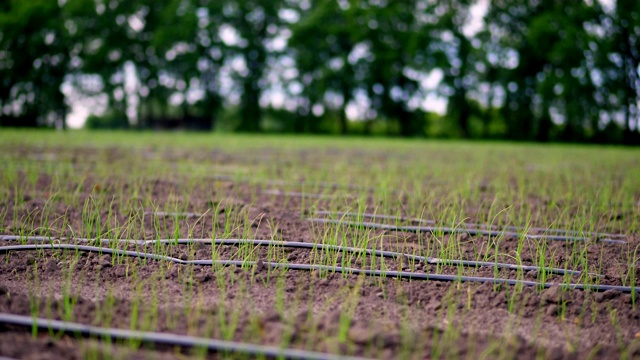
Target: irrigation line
449 230
322 268
272 182
27 238
468 225
94 249
304 195
179 215
184 341
314 246
354 250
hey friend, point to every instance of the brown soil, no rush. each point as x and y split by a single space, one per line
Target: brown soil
306 310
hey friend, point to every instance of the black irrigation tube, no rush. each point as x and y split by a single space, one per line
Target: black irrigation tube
303 195
183 341
322 268
271 182
449 230
313 246
27 238
179 215
94 249
472 225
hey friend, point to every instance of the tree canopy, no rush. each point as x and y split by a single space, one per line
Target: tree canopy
525 70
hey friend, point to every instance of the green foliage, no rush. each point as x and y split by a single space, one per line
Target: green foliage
322 42
543 70
34 59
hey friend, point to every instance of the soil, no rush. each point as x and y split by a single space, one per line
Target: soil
389 318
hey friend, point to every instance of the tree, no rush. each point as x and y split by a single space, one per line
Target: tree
107 36
458 58
618 58
368 47
398 42
147 53
322 42
544 48
186 38
251 26
34 59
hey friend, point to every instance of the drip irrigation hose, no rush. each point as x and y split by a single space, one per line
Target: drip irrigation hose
303 195
322 268
468 225
183 341
27 238
449 230
179 215
272 182
313 246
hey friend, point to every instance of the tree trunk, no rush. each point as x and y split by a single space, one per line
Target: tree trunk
342 119
344 124
460 107
543 128
250 111
406 121
463 120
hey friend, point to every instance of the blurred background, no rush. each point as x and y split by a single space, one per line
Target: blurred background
535 70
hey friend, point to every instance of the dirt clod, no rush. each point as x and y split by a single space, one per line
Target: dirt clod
552 295
121 271
51 266
30 259
203 277
272 316
360 335
607 295
104 263
552 310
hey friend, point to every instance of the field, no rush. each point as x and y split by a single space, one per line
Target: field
145 245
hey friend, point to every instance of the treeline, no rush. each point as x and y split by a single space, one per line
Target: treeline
524 70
